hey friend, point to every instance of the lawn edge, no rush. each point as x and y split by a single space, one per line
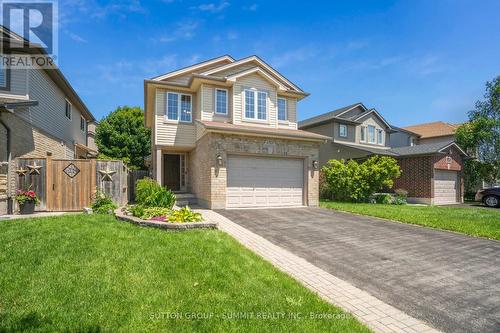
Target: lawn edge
413 224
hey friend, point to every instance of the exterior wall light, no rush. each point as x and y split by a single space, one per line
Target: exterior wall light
316 164
218 158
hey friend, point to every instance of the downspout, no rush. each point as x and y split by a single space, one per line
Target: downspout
9 198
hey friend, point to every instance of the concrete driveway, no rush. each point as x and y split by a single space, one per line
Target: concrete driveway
449 280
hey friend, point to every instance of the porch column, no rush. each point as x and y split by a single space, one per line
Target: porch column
159 166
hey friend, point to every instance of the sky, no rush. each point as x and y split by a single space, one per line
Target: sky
414 61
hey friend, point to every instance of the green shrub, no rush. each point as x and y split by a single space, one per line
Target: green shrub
353 181
149 193
383 198
150 212
185 214
102 203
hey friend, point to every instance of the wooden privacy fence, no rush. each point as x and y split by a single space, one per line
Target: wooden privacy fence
69 185
134 176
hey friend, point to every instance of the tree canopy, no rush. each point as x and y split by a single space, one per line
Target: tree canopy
480 137
122 135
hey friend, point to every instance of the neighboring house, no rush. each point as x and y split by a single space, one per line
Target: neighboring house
40 115
225 130
436 132
431 170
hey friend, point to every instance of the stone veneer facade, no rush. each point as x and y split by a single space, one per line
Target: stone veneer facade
209 181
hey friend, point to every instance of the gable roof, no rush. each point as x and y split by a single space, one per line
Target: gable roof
54 73
260 62
192 68
432 130
429 148
375 112
425 149
325 117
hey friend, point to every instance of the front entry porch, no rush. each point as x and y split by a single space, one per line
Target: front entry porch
175 171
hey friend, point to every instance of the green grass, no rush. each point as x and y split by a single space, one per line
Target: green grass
81 273
479 222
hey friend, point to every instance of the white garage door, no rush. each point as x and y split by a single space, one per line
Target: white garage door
445 187
264 182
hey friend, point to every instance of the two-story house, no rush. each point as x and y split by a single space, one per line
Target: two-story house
40 115
431 170
225 130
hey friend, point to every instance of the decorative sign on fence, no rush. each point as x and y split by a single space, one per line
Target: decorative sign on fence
71 170
107 175
34 169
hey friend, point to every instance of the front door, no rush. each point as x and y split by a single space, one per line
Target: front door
172 171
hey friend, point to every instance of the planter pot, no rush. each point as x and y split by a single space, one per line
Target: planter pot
27 208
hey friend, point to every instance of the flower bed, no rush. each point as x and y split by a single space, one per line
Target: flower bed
155 223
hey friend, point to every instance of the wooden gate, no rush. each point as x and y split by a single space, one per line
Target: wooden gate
72 183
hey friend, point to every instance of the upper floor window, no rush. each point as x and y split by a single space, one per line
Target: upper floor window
255 105
221 101
179 107
371 134
343 130
282 114
4 77
380 138
82 124
68 110
363 134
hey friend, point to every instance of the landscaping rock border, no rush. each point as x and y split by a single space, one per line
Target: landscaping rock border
165 225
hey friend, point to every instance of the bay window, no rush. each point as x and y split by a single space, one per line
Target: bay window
379 136
343 130
363 134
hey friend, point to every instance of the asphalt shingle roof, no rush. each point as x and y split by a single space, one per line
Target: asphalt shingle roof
428 148
326 116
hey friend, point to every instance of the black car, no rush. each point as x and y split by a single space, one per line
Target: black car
490 196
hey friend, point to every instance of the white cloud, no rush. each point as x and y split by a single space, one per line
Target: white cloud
71 10
212 7
294 56
75 37
182 30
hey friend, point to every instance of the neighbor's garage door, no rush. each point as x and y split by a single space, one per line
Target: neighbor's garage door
264 182
445 187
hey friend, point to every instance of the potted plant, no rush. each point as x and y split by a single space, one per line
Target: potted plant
27 201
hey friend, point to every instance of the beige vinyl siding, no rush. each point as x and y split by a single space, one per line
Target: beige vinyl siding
184 78
170 133
373 120
208 106
259 83
49 114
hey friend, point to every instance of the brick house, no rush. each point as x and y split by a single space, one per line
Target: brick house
431 169
224 133
40 115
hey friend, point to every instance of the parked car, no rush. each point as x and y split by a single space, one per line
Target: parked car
490 196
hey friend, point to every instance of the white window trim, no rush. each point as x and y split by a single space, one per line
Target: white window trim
381 132
70 110
179 103
278 110
227 101
361 139
255 105
346 131
374 134
84 124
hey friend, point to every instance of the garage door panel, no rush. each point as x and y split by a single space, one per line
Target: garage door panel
264 182
446 187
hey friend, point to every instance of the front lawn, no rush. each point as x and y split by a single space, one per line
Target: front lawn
90 273
477 221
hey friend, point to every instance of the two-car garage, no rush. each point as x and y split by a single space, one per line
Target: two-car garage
254 181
